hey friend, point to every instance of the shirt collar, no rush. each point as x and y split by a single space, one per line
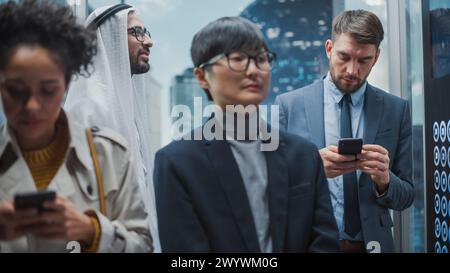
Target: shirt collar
336 94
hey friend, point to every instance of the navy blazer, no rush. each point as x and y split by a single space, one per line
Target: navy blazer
203 206
388 124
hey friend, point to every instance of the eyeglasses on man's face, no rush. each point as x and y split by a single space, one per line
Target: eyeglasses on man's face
239 61
139 33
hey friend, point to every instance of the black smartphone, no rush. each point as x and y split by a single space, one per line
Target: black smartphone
33 199
350 146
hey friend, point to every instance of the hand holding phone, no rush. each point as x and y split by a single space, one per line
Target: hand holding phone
350 146
13 223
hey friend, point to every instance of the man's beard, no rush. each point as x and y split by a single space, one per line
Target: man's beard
138 68
346 90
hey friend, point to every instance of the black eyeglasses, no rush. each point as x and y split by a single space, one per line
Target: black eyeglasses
239 61
139 33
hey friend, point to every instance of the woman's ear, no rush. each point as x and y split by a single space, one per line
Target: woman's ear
200 75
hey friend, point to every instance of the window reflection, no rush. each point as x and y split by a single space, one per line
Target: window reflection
440 39
415 91
296 31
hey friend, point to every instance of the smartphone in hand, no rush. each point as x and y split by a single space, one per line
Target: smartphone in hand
350 146
33 199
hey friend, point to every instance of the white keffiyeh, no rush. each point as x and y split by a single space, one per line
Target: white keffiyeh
110 97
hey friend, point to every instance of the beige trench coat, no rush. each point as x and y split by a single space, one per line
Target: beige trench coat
125 226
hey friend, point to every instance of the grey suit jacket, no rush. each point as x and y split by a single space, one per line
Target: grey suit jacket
387 123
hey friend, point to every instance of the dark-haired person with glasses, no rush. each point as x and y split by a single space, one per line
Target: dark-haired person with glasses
227 194
139 44
115 95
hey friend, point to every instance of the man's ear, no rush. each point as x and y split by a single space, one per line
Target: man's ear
200 75
328 47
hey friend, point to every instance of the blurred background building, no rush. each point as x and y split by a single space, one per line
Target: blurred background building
296 31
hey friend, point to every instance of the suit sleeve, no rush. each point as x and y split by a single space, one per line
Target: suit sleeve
180 229
283 115
400 194
325 234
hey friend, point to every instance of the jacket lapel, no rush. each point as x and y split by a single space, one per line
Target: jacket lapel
373 109
12 167
221 156
278 195
314 114
9 185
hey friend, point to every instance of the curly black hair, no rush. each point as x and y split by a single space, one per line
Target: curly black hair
51 26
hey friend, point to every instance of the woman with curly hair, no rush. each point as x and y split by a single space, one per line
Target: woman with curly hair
97 205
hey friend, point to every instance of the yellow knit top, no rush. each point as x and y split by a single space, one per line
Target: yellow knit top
44 163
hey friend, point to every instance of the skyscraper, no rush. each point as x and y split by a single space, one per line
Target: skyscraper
296 30
184 89
153 98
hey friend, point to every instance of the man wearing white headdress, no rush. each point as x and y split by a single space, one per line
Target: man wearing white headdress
114 95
